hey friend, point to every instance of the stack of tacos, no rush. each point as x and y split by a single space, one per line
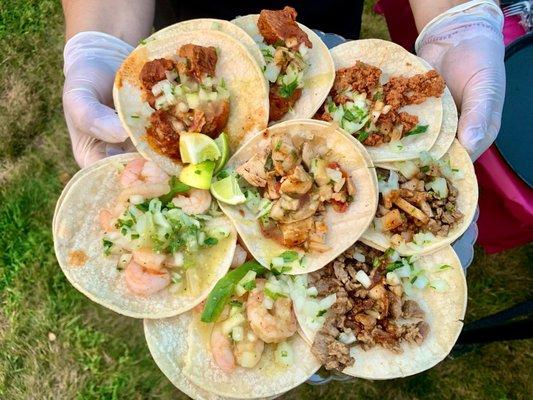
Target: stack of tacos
289 208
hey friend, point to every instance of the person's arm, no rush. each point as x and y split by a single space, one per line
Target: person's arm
127 20
99 36
463 41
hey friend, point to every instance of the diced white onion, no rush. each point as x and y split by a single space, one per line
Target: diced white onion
237 333
136 199
334 174
363 278
272 72
268 303
421 282
407 168
284 355
232 322
171 75
440 285
359 257
439 186
312 291
347 337
393 279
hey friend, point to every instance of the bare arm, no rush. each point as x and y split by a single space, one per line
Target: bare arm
128 20
424 10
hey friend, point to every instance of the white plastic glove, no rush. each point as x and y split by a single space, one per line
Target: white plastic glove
91 60
465 45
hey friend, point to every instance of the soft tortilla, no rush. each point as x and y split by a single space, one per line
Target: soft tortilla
240 71
466 203
444 313
198 366
394 60
344 229
319 76
76 228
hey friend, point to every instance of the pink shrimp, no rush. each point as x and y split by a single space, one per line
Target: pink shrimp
149 259
221 349
144 282
141 171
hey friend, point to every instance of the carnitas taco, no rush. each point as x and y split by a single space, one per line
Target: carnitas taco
138 241
377 315
306 193
425 203
386 97
242 343
297 64
200 81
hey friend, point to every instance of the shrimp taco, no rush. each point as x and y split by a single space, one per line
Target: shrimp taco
377 315
297 64
243 343
386 97
190 79
424 204
138 241
306 192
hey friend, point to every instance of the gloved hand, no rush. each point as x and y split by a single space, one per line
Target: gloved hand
91 60
465 45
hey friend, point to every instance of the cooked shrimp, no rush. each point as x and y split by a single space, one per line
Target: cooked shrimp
272 327
221 349
140 171
248 352
195 201
144 282
239 257
149 259
146 190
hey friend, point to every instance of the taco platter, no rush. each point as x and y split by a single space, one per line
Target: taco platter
289 208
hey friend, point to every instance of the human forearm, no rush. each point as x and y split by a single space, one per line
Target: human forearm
130 21
425 10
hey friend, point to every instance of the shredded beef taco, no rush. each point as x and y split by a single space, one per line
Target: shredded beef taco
138 241
243 342
179 81
297 64
377 315
387 98
425 203
308 193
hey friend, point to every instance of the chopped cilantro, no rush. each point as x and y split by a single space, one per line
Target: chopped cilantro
395 265
107 246
417 130
211 241
135 236
273 295
362 136
288 90
135 116
250 285
321 313
197 172
284 353
289 256
376 262
278 145
378 96
235 303
424 168
444 266
413 280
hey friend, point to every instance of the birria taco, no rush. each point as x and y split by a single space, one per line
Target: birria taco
309 193
389 99
376 315
425 203
243 343
297 64
138 241
202 81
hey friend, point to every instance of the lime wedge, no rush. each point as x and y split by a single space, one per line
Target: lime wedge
198 175
223 145
197 147
227 190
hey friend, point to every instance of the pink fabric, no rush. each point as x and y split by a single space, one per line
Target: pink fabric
505 201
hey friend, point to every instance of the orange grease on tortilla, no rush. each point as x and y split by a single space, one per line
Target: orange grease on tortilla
77 258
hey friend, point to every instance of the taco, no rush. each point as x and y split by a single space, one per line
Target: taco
376 315
243 344
297 64
139 242
425 204
201 81
386 97
309 193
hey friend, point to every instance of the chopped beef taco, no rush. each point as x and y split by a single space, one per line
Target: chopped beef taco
376 315
425 203
308 193
243 342
385 97
178 81
138 241
297 64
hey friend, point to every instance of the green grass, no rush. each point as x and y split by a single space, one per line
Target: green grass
56 344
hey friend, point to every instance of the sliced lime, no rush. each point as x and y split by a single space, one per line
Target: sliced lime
223 146
197 147
227 190
198 175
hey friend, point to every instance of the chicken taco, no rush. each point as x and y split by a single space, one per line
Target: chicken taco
377 315
297 64
178 81
386 97
242 343
138 241
425 203
306 193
